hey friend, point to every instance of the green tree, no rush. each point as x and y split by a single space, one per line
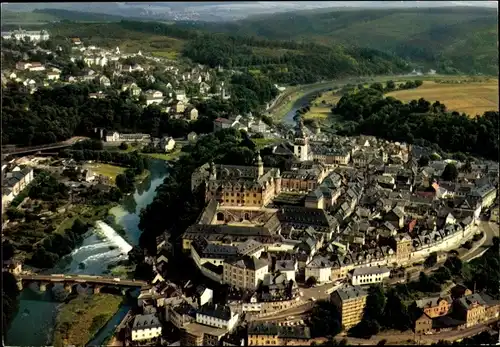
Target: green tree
325 319
450 172
375 303
423 161
311 281
377 86
10 294
431 260
390 85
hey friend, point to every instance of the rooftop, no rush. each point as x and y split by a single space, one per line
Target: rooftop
350 292
146 321
217 311
370 270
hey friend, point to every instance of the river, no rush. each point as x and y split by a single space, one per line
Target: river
304 99
33 325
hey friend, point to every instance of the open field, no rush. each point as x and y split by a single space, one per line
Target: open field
470 97
261 143
110 171
166 54
176 153
82 317
321 107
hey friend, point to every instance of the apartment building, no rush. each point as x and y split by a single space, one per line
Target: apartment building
244 272
272 334
14 182
435 306
351 302
146 327
320 269
471 309
217 316
369 275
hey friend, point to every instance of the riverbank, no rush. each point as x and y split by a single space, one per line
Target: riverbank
293 97
82 317
34 323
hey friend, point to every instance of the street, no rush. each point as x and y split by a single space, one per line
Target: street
491 230
319 292
395 337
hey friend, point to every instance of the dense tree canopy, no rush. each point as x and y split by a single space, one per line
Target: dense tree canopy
372 114
300 63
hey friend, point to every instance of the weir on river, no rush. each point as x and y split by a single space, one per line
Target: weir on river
111 234
34 323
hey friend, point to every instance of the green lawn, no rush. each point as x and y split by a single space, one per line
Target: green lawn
176 153
110 171
261 143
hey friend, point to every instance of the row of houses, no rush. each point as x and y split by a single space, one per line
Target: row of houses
14 182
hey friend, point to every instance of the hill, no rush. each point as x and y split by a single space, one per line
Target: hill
285 62
446 39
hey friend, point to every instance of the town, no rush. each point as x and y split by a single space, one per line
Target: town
341 216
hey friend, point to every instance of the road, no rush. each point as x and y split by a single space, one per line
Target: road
319 292
395 337
308 88
491 230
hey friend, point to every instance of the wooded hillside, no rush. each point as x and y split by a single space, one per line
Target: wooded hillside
445 39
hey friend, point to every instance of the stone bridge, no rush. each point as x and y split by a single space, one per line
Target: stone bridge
33 149
97 282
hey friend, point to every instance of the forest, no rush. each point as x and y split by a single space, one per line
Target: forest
291 62
449 40
368 112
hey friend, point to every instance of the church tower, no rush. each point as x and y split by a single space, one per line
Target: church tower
260 166
301 142
213 172
277 182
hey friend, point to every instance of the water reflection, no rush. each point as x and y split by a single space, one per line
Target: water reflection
34 323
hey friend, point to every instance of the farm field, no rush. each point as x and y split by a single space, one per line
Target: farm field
472 98
321 107
110 171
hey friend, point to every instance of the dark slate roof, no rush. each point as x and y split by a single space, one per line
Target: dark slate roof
217 311
283 149
273 329
431 301
146 321
304 215
246 262
216 269
350 292
469 300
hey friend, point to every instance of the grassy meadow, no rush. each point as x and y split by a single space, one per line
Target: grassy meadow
321 107
110 171
472 98
82 317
